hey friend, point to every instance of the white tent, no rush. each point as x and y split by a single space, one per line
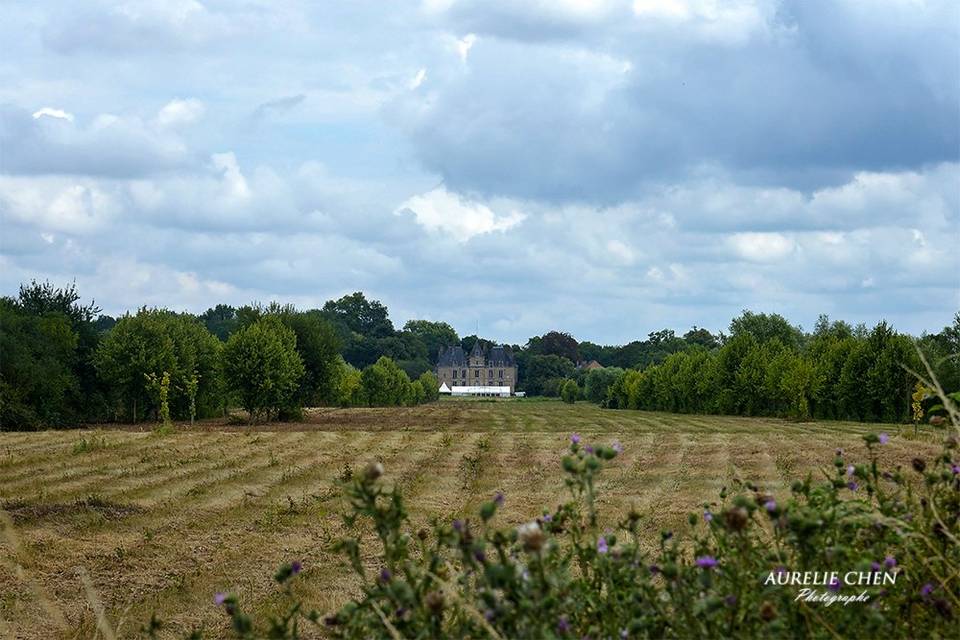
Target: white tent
444 388
502 392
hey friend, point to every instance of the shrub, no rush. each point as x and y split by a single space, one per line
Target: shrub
431 386
569 392
263 368
385 384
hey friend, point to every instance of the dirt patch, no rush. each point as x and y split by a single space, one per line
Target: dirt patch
24 511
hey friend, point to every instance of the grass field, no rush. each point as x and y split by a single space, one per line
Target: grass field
161 522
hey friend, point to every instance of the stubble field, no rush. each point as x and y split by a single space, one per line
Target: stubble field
160 523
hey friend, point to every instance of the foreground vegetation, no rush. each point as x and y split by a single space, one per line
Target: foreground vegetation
164 521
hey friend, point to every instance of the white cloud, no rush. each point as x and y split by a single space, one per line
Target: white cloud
418 79
448 213
180 112
762 247
50 112
464 45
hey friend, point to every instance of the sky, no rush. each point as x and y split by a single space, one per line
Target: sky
600 167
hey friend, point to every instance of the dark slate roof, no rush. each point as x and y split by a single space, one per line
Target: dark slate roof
477 351
452 357
500 355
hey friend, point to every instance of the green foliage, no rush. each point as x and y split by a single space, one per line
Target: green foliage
319 348
570 392
556 343
433 335
597 383
431 386
385 384
136 353
540 370
263 369
348 390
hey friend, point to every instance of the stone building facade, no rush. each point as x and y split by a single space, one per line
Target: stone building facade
494 368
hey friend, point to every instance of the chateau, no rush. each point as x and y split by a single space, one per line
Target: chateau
495 368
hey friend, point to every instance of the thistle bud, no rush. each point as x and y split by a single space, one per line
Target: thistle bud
531 536
373 471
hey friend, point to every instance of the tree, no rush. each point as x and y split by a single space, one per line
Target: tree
434 336
540 369
37 368
766 327
570 392
431 386
349 390
555 343
220 320
319 348
385 384
702 337
598 382
263 368
368 318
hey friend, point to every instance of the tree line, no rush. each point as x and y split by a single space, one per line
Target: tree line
63 363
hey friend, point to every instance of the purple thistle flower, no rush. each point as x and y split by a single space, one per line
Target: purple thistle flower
955 468
296 567
770 506
385 575
219 598
731 601
563 625
624 634
616 446
850 470
602 545
707 516
575 438
926 590
890 562
489 615
706 562
498 498
479 555
588 449
780 569
883 438
654 569
853 486
834 585
547 518
458 526
875 566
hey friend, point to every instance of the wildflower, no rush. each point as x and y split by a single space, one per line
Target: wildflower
434 601
385 575
706 562
563 625
489 615
616 446
926 590
770 506
547 517
654 569
853 486
850 470
883 438
834 585
498 498
780 569
531 536
730 601
736 519
458 526
875 566
219 598
479 555
890 562
624 634
707 516
955 468
602 545
575 438
373 471
588 449
296 567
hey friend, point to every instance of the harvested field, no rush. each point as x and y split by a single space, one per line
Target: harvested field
162 522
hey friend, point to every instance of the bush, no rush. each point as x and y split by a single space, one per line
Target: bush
431 386
263 369
385 384
564 575
569 392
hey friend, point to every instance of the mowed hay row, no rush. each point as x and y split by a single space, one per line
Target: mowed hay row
163 522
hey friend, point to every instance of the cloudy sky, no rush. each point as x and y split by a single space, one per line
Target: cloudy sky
607 168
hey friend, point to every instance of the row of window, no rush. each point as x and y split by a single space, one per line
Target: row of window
476 374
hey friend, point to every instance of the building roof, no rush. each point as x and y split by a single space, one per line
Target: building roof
455 356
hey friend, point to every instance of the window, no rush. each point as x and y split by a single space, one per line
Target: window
463 373
476 373
501 374
454 374
490 374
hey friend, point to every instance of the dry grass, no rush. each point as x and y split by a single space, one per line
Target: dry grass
160 523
